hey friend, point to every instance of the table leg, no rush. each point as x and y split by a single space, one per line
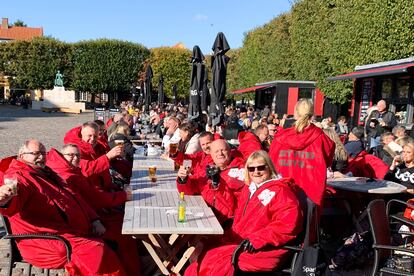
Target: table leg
164 270
186 256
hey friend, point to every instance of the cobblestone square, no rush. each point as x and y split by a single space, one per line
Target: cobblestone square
18 124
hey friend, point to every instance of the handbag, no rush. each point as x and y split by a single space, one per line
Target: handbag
310 262
311 259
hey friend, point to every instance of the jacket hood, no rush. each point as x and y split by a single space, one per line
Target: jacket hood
73 136
298 141
57 162
245 136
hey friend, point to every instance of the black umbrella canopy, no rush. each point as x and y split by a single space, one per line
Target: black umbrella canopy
218 84
148 87
161 95
197 82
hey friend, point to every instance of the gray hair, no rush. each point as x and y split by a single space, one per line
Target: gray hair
25 146
91 124
63 149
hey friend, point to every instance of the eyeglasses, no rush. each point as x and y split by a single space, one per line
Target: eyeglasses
259 168
72 154
272 129
35 153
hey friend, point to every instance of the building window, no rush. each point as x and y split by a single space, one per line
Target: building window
403 85
305 93
386 88
83 96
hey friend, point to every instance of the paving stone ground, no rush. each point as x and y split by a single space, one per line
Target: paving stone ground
16 126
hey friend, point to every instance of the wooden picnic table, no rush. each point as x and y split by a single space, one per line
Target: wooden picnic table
152 216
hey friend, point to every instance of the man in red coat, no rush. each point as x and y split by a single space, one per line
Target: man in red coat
199 160
221 188
95 162
44 203
66 165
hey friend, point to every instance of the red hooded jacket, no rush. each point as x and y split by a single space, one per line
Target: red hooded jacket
304 157
271 217
98 199
249 143
94 163
367 165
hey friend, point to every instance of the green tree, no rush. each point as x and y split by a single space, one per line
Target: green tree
19 23
33 64
265 54
107 66
174 65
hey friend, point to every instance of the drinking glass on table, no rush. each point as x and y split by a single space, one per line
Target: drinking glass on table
152 170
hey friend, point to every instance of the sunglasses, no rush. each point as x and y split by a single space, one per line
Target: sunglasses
259 168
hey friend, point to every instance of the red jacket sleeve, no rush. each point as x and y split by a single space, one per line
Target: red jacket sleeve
94 167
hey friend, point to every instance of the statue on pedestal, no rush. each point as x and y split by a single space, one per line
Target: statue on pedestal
58 79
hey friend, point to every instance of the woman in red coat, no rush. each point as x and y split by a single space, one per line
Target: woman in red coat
304 152
268 216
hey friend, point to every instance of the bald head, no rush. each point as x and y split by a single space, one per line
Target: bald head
220 153
33 153
382 106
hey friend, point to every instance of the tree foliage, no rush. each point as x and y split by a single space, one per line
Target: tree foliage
107 66
19 23
174 65
34 64
318 39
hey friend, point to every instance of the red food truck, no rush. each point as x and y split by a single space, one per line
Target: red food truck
391 81
282 95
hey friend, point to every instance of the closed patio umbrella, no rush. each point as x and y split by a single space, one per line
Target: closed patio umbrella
197 82
148 87
161 95
218 84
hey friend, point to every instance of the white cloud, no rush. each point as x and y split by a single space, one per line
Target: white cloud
200 17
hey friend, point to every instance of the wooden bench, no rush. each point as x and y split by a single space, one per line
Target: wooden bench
70 110
49 109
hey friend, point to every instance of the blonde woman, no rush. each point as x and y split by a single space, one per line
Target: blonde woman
402 168
268 216
121 132
304 152
340 159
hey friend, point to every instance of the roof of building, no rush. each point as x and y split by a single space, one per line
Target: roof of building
378 69
17 32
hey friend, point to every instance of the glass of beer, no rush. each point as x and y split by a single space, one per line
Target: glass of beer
152 170
173 148
11 182
119 143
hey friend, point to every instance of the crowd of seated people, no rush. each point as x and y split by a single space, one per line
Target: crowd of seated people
254 186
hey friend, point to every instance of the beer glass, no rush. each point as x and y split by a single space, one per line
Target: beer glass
11 182
119 142
152 170
173 148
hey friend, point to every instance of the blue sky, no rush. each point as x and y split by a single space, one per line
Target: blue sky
152 23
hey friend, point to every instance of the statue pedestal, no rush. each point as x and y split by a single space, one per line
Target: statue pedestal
59 98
